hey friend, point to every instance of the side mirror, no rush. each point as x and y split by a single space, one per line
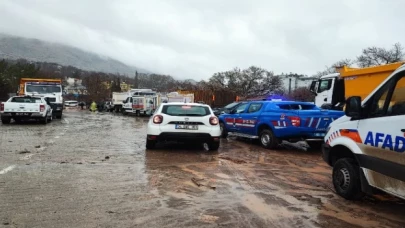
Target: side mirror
150 102
353 107
233 111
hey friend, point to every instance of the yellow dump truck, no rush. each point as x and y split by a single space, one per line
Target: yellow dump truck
332 90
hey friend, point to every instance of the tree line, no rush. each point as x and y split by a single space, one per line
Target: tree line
250 82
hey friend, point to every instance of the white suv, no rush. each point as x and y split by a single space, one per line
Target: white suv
183 122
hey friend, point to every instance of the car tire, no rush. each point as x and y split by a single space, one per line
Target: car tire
267 139
213 146
150 144
6 120
346 179
44 120
50 118
224 132
59 116
315 145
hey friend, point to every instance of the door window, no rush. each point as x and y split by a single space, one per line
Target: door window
324 85
254 107
241 108
396 105
389 100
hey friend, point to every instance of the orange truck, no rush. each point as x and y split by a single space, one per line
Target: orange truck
51 89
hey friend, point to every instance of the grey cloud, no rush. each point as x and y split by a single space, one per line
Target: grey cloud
194 39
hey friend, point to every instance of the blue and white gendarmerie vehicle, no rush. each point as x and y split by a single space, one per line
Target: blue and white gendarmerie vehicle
271 121
366 147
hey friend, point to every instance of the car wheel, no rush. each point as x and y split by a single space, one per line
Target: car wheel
44 120
315 145
267 139
5 120
50 118
224 132
150 144
346 179
214 146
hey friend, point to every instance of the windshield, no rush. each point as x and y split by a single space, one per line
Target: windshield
185 110
43 89
26 100
231 105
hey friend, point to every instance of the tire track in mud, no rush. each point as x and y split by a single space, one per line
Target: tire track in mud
266 201
307 190
46 135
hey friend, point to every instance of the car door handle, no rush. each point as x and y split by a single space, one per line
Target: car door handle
403 130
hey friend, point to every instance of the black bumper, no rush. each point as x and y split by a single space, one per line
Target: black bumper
57 107
184 137
326 153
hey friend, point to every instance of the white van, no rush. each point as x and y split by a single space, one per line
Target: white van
366 148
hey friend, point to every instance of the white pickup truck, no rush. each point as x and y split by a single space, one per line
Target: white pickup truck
25 107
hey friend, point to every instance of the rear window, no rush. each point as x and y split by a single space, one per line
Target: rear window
26 100
297 106
185 110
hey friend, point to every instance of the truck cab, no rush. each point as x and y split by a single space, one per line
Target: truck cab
329 91
366 147
51 89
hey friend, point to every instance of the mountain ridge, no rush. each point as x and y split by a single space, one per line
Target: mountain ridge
15 47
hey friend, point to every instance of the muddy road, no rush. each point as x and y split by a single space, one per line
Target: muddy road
92 170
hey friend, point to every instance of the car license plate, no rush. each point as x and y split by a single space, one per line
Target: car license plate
22 114
186 127
319 134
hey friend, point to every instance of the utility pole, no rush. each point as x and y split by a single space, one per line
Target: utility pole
289 86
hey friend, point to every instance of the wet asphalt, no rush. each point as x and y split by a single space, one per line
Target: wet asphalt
92 170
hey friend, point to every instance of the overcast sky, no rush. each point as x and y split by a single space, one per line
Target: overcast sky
196 38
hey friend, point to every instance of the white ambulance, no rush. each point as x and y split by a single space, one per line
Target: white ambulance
366 147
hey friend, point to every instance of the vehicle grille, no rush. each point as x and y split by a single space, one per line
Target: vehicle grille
186 122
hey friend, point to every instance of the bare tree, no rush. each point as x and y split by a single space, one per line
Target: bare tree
333 68
302 94
374 56
97 88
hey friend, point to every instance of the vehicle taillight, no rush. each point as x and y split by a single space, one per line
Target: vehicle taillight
1 107
295 121
41 108
213 120
158 119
